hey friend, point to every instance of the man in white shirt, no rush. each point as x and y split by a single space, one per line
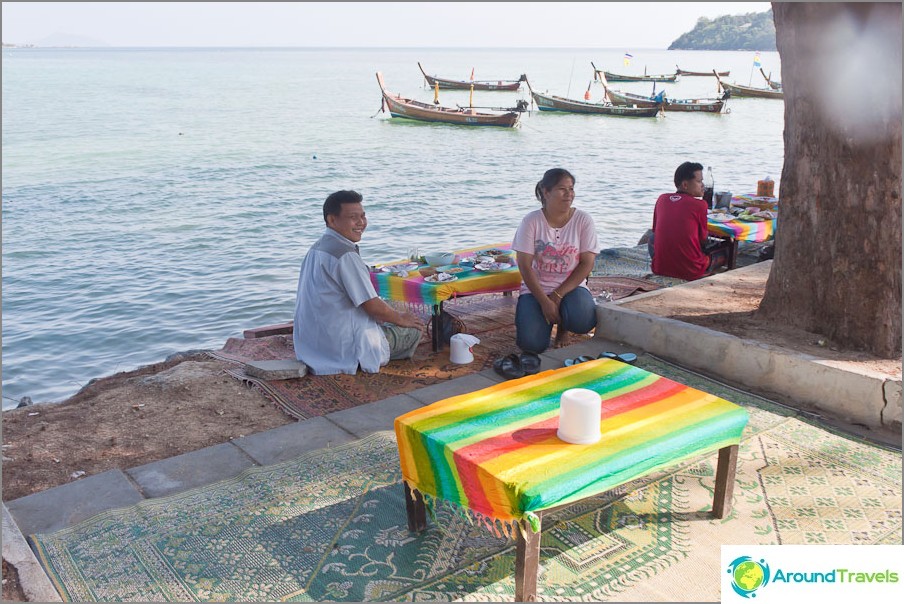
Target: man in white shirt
340 322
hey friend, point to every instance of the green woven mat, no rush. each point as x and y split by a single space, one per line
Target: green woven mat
331 526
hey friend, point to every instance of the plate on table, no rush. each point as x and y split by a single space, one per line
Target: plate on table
441 278
493 251
399 268
454 269
492 267
721 217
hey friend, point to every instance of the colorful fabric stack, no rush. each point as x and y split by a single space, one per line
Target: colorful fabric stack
414 289
495 451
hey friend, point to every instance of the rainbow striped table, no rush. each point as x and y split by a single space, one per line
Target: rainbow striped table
495 453
413 289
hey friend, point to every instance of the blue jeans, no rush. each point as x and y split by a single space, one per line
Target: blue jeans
577 312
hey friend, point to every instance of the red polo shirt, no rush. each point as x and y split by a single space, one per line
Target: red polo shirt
679 232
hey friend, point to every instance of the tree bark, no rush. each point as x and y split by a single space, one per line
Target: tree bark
837 266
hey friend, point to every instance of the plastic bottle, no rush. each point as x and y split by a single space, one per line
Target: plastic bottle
708 186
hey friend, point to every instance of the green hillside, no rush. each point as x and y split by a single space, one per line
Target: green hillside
753 31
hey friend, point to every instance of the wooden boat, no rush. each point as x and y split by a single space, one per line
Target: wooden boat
748 91
402 107
772 83
549 102
445 83
614 77
617 97
682 72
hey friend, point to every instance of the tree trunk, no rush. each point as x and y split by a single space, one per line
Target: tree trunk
837 267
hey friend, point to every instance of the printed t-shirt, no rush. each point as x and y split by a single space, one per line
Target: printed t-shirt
556 251
679 232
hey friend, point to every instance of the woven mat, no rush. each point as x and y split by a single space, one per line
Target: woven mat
620 287
331 526
491 318
630 262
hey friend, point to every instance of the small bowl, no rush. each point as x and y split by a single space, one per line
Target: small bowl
439 258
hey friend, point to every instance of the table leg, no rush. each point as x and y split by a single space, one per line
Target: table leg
437 327
417 511
725 479
527 563
733 254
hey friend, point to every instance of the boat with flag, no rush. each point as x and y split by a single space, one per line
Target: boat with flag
737 90
550 102
402 107
450 84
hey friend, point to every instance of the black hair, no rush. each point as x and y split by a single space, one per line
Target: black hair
550 179
686 172
333 204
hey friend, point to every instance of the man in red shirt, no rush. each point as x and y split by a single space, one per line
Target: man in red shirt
680 247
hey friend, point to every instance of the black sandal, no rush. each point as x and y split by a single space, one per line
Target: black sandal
626 357
530 362
509 367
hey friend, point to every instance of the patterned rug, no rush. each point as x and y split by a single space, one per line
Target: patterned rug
331 526
491 318
631 262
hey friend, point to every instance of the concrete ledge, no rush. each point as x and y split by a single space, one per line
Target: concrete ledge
290 441
286 369
69 504
863 398
34 581
190 470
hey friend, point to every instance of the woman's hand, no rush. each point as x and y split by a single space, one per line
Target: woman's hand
550 306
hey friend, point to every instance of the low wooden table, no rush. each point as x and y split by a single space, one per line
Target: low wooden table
495 451
413 289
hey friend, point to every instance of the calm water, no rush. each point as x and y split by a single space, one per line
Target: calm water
161 200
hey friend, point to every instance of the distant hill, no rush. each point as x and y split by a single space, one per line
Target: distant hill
753 31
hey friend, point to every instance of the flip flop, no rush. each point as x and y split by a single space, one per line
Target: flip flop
530 362
626 357
509 367
581 359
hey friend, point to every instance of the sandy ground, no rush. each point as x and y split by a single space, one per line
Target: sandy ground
188 403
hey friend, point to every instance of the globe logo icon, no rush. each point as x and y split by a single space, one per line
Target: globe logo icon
748 575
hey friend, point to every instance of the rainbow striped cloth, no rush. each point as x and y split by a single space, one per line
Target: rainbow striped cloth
495 452
413 289
740 229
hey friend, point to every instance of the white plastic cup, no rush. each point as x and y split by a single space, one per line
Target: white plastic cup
579 416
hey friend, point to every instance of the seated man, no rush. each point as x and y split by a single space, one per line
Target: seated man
340 322
680 247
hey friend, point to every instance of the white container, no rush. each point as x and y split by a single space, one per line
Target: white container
579 416
460 348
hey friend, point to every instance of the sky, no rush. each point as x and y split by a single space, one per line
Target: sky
360 24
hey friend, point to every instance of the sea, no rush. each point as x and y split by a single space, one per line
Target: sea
158 200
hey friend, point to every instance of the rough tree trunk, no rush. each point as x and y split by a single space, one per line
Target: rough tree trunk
837 267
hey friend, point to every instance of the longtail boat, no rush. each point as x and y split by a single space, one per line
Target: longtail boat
616 97
748 91
549 102
402 107
683 72
614 77
445 83
772 83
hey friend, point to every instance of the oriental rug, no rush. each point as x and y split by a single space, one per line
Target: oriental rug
331 526
491 318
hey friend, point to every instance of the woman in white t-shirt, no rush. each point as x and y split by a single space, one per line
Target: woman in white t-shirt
556 247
